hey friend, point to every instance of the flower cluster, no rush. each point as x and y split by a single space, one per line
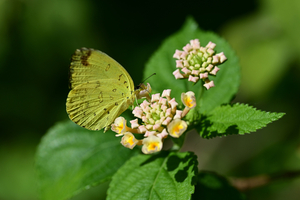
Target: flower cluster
196 62
159 118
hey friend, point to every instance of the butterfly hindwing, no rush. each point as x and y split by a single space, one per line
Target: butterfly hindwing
94 106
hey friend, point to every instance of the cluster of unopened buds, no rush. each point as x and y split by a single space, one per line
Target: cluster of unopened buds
159 119
196 62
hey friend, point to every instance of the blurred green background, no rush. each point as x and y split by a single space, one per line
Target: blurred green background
37 39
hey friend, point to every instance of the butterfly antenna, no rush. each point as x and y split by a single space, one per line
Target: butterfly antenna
148 77
139 86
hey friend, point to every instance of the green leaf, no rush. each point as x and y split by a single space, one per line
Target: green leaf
162 176
211 186
235 119
70 159
163 64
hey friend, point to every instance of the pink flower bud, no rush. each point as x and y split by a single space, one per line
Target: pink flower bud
193 79
203 75
209 67
179 64
168 112
173 103
187 48
166 121
178 114
210 51
163 134
209 84
183 55
156 126
177 74
222 57
195 43
186 71
195 72
215 59
137 112
148 133
215 70
177 54
134 123
166 93
162 101
211 45
155 97
142 129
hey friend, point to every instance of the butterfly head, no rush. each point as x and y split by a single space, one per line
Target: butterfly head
143 90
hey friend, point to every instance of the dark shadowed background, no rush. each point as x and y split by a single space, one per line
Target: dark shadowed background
37 39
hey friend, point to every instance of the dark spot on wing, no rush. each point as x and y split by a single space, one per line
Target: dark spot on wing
98 84
85 62
86 53
107 67
120 76
100 97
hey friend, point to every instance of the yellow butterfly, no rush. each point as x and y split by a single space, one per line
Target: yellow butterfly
101 89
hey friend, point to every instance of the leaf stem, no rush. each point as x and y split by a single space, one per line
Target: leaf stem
244 184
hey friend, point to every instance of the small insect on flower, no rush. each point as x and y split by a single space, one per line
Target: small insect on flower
160 118
196 62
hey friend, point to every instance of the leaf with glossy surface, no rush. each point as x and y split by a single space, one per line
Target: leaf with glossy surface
70 159
162 176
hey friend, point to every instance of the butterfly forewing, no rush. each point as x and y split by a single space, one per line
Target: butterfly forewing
101 89
89 64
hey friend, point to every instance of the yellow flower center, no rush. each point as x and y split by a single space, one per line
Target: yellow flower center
130 140
120 127
188 102
178 128
152 146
